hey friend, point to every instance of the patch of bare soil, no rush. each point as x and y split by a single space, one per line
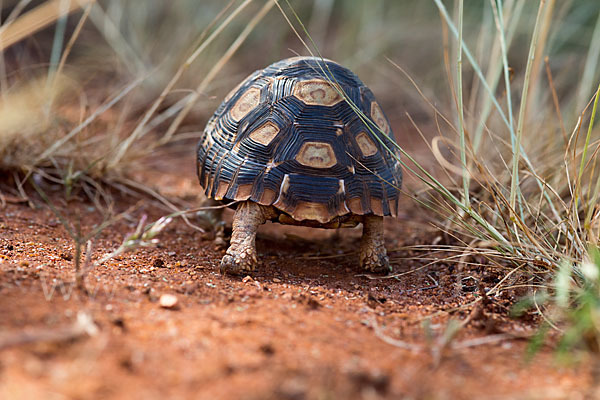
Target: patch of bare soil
307 325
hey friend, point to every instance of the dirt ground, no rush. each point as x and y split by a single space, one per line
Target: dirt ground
307 325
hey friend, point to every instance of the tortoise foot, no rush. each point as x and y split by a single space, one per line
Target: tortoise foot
241 255
373 256
239 262
375 259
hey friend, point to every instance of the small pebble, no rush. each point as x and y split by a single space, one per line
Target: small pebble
168 301
276 280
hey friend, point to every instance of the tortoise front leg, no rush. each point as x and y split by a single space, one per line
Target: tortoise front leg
373 256
241 254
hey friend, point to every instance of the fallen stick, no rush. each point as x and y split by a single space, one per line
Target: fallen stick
83 326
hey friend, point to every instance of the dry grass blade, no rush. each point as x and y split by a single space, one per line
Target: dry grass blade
140 130
83 326
101 110
36 19
460 108
70 45
216 68
555 100
416 348
514 183
421 173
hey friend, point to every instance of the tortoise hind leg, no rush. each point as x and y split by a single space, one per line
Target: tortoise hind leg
372 255
241 254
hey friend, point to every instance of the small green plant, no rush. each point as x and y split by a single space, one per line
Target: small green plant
571 307
577 300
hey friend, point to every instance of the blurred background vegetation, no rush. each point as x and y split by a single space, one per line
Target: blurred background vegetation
121 41
87 98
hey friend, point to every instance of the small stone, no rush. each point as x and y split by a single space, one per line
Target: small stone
158 263
247 279
292 389
276 280
267 349
168 301
313 303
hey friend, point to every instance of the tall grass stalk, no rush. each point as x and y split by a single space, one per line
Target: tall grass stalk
67 51
79 128
514 183
592 203
59 37
33 21
130 56
499 110
587 139
420 172
217 67
16 11
505 36
499 20
472 61
461 122
140 130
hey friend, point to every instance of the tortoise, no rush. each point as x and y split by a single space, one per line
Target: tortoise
288 145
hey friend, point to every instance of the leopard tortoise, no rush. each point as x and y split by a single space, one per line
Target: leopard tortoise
301 142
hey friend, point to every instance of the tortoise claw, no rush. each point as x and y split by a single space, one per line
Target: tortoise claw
238 263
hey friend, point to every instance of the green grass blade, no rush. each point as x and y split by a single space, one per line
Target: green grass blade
587 139
461 122
592 203
517 150
501 113
421 173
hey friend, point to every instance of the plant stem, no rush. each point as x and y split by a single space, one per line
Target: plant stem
591 204
504 50
461 122
514 183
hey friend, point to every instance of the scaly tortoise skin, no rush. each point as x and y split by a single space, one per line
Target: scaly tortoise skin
289 148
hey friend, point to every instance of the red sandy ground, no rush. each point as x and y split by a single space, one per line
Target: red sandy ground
307 325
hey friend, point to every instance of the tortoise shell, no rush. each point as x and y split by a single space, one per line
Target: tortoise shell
286 137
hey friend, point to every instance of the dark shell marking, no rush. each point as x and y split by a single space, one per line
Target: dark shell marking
286 137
